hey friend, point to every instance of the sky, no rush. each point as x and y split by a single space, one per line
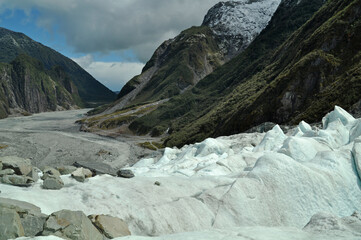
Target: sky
111 39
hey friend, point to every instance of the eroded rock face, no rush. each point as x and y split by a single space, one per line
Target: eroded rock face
71 224
111 227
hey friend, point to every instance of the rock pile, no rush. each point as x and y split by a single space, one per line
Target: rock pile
19 219
22 219
52 179
17 171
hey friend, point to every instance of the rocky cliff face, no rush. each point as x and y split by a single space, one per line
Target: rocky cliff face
236 23
12 44
27 87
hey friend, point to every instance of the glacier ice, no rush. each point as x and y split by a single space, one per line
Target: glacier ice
231 186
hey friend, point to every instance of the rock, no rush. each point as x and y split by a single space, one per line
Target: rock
125 173
1 165
16 180
34 174
157 183
111 227
10 224
7 172
21 166
65 170
50 172
53 183
96 167
103 152
71 224
33 225
31 217
81 173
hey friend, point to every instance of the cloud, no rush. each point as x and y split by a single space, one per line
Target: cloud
114 75
105 26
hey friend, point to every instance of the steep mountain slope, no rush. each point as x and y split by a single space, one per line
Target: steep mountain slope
90 90
26 86
203 111
179 63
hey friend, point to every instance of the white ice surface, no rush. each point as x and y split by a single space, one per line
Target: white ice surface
245 180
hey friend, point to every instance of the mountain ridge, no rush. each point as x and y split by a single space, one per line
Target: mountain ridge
13 44
180 63
192 116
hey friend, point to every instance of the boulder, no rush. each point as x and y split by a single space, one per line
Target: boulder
50 172
125 173
16 180
65 170
34 174
33 224
10 224
81 174
7 172
1 165
71 224
31 217
111 227
96 167
21 166
53 183
19 206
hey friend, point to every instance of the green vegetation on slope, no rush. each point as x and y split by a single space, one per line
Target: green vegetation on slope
27 85
13 44
180 63
202 111
307 77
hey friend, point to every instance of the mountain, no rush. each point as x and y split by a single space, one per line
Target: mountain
236 23
222 102
179 63
90 90
26 86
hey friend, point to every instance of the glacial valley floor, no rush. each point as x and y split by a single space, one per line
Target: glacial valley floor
54 139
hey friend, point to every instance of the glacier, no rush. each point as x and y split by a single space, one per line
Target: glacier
300 184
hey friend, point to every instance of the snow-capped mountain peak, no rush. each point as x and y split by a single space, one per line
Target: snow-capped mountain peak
237 23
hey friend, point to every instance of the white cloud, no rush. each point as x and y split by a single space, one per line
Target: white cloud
114 75
114 25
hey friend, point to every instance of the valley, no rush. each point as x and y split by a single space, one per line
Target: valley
54 139
243 127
